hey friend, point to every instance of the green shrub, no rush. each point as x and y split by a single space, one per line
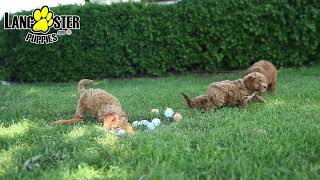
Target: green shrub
134 39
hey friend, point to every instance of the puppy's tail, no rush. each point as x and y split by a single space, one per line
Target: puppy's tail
81 84
188 100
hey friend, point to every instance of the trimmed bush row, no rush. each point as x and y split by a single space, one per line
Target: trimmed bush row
134 39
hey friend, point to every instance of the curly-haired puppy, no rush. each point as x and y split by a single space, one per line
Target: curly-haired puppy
241 91
268 70
100 105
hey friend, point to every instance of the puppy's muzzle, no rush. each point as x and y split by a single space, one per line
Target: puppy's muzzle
264 87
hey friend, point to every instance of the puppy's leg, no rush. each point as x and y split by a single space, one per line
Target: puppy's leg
80 111
272 88
246 101
77 118
210 108
214 103
259 99
68 121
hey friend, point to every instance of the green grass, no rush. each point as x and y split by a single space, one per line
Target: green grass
279 139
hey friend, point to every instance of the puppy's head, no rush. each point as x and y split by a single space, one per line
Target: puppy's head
114 121
196 102
256 81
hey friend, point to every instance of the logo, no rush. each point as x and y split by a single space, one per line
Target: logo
45 26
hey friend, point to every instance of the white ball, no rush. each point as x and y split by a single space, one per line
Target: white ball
156 121
144 122
121 132
151 126
135 124
168 113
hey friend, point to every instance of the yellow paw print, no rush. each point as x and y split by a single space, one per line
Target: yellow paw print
43 19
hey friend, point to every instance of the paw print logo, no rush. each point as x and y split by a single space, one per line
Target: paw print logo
43 19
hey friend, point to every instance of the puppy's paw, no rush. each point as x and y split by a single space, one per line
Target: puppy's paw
67 122
61 122
246 102
58 122
260 99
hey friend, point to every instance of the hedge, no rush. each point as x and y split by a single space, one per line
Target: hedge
136 39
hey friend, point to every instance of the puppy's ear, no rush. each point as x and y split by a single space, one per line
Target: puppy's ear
248 81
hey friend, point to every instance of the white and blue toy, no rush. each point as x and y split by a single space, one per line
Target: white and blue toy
156 121
168 113
146 124
121 132
150 126
135 124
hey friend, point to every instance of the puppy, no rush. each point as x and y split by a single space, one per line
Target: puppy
100 105
268 70
242 91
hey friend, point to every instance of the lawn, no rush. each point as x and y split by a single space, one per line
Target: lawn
278 139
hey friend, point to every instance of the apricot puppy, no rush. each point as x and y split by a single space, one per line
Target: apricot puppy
241 91
268 70
100 105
